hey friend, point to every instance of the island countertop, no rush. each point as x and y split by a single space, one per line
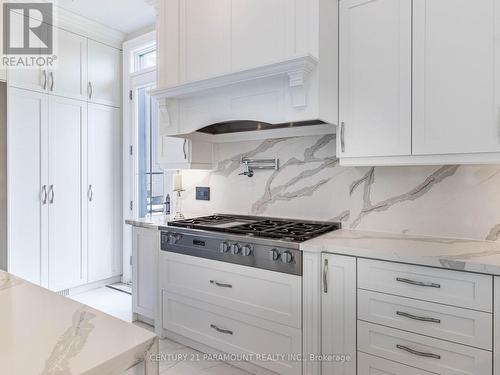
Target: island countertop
456 254
43 333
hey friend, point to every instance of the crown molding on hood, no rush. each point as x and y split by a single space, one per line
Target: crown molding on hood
297 69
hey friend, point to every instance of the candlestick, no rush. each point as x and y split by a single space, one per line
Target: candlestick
178 206
177 181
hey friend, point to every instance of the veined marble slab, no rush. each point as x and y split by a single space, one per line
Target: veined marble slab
456 254
150 222
44 333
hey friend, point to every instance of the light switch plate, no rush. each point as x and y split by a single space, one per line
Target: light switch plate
202 193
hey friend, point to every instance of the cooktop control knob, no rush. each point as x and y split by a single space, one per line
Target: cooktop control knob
287 257
224 247
246 250
173 238
274 254
235 248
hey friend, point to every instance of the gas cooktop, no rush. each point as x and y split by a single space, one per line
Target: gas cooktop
272 228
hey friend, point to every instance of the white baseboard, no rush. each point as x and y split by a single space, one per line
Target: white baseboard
94 285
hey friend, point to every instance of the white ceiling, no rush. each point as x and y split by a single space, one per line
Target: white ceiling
126 16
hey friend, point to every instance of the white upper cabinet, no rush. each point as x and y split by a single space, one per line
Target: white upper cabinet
182 153
454 82
67 252
69 77
456 86
3 72
375 79
104 74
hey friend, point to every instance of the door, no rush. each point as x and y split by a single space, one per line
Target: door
456 86
28 78
338 314
69 77
67 254
104 192
174 151
375 78
28 185
104 74
145 250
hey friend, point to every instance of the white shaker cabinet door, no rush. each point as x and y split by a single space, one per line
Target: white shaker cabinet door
145 250
28 185
375 78
456 86
67 255
104 74
3 72
69 77
104 192
338 313
496 325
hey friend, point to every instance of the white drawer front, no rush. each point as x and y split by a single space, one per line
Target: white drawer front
463 326
234 334
462 289
370 365
396 345
269 295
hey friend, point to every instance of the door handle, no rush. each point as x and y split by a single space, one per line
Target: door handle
325 276
91 90
416 352
90 193
44 194
51 194
342 136
51 79
184 149
44 84
419 318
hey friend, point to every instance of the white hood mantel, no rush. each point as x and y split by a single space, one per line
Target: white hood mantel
237 62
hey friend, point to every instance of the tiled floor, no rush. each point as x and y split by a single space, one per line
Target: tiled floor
178 358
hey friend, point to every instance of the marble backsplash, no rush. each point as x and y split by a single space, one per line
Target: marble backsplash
451 201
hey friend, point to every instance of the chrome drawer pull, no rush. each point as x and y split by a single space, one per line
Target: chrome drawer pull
222 285
420 354
325 276
418 283
420 318
220 330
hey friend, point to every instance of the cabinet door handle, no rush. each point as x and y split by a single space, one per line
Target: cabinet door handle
342 136
51 194
325 276
91 90
221 330
90 193
416 352
221 285
418 283
51 79
420 318
44 84
184 149
44 194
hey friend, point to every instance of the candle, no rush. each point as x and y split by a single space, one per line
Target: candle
177 183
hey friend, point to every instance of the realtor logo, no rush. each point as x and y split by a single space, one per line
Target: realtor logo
27 29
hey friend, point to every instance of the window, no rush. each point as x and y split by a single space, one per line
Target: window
150 178
144 59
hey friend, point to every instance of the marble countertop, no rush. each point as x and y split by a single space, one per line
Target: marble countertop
47 334
150 222
457 254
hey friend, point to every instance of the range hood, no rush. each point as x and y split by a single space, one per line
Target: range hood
292 97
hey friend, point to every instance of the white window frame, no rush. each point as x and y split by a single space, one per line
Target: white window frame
131 50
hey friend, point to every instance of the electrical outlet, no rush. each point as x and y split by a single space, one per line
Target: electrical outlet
202 193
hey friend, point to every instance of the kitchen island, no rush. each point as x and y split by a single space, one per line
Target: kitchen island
45 333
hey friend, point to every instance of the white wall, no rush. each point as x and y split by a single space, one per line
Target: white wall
452 201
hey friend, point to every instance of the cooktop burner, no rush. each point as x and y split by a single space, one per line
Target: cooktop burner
280 229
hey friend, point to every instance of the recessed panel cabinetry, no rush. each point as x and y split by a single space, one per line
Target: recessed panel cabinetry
453 80
64 167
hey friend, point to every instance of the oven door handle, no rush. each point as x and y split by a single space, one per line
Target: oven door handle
220 285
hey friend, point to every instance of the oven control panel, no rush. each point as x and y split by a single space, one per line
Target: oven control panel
265 256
